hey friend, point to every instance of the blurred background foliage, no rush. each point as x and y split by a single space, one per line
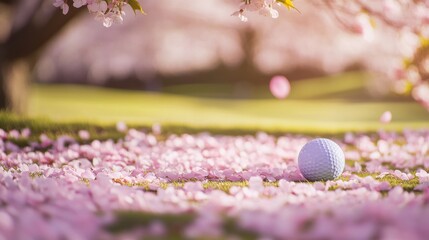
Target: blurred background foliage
193 64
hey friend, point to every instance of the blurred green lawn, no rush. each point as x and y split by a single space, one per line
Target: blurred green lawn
331 105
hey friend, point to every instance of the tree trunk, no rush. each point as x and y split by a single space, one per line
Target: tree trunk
20 45
3 97
14 80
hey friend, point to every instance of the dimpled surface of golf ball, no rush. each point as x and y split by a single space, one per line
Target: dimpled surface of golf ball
321 159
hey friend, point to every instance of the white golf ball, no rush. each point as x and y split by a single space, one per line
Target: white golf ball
321 159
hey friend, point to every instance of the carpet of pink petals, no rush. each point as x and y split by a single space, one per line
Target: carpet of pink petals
61 189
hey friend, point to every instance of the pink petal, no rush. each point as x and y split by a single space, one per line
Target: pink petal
386 117
280 87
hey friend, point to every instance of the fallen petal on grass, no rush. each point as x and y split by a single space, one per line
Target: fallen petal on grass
204 185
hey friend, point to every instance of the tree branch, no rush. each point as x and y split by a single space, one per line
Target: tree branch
33 36
7 2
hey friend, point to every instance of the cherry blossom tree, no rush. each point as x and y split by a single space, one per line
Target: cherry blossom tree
409 18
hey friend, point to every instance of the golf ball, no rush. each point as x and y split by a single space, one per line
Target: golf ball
321 159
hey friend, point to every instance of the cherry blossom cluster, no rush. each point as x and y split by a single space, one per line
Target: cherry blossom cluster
411 20
108 12
263 7
63 189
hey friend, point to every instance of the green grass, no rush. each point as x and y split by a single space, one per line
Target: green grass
54 129
225 186
128 220
318 106
213 185
174 223
352 86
